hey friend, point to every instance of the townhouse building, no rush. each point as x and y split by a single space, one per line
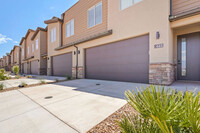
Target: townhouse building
15 56
1 63
144 41
34 52
4 62
8 62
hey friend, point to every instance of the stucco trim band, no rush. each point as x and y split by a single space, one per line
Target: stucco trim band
95 36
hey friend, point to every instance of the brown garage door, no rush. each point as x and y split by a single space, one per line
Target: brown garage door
25 68
62 65
34 67
126 60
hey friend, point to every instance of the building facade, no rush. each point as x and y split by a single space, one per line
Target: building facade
136 41
142 41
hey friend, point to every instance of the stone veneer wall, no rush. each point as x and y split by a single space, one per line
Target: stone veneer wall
161 73
80 72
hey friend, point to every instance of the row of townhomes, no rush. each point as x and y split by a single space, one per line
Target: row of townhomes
145 41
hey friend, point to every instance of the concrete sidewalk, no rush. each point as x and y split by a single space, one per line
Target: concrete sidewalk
19 114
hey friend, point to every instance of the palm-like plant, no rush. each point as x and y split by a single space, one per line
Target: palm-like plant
172 111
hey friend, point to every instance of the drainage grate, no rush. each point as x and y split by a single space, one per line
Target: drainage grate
48 97
98 84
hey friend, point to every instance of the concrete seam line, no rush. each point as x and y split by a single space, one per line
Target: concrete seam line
50 112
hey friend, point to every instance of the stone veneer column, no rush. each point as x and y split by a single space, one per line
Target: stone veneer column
161 73
80 72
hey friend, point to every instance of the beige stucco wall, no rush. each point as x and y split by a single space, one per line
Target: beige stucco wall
17 55
147 17
79 12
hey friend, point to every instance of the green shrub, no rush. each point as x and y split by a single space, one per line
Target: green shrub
57 80
2 75
1 86
171 111
136 124
2 70
68 77
29 76
15 70
42 81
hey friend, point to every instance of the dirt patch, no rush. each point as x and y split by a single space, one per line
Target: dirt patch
33 85
109 124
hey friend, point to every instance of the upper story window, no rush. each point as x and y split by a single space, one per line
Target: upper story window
127 3
95 15
28 50
53 35
32 48
22 51
70 28
36 44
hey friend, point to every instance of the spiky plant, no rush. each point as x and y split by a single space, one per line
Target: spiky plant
172 111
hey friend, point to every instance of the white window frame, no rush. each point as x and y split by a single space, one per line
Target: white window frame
71 28
53 35
133 3
36 44
94 7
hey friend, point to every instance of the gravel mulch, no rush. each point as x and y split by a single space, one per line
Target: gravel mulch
109 124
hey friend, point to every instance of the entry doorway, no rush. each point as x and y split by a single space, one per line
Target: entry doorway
189 57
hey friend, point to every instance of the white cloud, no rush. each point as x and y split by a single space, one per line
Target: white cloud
52 8
5 39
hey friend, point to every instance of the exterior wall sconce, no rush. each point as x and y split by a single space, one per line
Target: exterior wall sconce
157 35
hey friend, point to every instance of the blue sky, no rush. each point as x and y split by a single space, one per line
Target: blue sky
17 16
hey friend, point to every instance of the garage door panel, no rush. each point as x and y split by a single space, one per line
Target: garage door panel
62 65
126 60
34 67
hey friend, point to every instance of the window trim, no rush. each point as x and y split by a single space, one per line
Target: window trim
69 22
129 6
94 14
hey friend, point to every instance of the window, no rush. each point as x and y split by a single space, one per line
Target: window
183 56
28 50
70 28
22 51
53 35
127 3
32 48
36 44
95 15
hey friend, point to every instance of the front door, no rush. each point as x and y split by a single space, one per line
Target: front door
189 57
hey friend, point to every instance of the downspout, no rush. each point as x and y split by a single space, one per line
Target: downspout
77 52
171 8
63 16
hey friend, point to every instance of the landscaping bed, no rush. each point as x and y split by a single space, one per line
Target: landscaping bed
109 125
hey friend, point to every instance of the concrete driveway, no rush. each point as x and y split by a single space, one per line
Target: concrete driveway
75 106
